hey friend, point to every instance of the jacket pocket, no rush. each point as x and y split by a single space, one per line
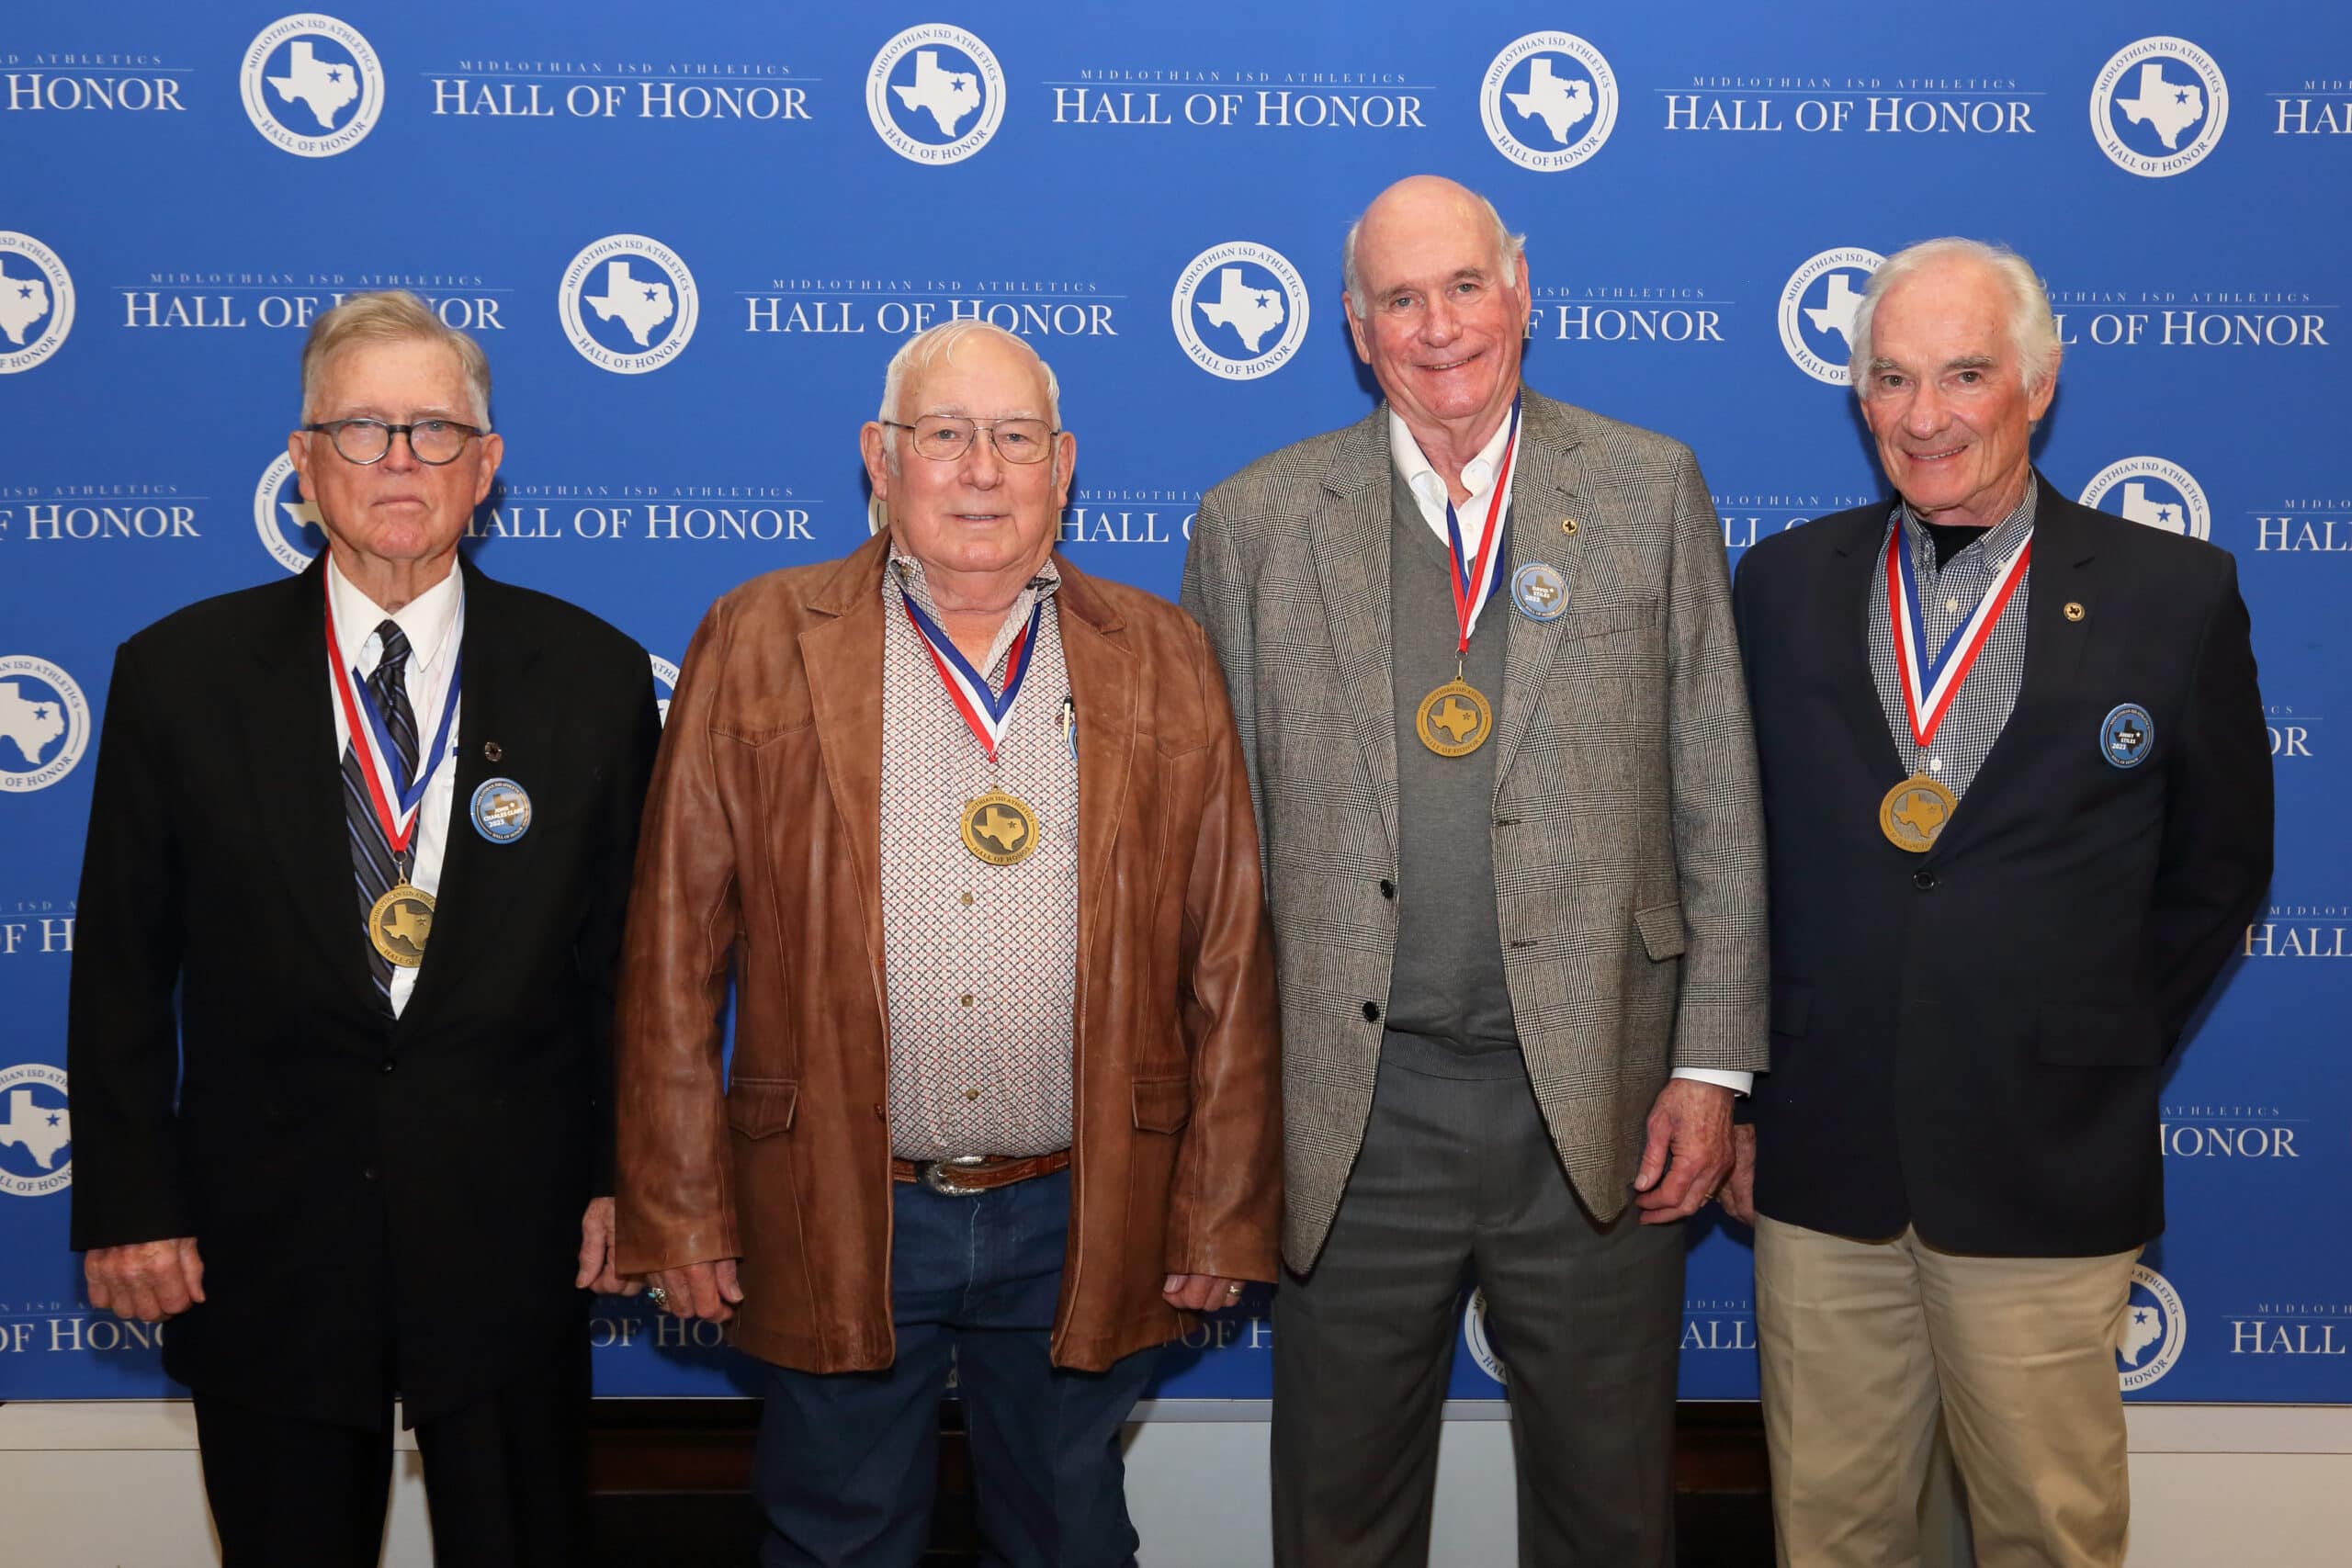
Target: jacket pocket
757 1106
1162 1105
2069 1036
1662 932
1791 1005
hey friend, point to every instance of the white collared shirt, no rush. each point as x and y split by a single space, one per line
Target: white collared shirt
1431 492
435 624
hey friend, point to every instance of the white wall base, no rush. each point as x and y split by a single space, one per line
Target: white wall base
87 1485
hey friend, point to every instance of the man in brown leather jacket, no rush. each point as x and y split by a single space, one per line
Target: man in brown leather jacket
971 834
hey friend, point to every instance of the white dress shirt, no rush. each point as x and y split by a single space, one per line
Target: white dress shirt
435 623
1431 492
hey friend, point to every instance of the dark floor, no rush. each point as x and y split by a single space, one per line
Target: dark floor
668 1482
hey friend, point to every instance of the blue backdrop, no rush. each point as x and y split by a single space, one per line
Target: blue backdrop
690 237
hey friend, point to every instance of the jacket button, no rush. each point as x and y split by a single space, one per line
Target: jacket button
1923 880
389 1063
1387 889
366 1173
1372 1012
881 1113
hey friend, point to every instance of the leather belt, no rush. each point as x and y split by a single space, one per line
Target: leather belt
967 1174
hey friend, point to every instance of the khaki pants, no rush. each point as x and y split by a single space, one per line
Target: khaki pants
1861 1343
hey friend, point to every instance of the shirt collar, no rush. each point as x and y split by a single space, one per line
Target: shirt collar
906 577
1994 546
1425 481
426 620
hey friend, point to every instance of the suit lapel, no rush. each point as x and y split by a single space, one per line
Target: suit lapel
289 744
842 659
2062 572
1548 484
479 879
1102 687
1349 541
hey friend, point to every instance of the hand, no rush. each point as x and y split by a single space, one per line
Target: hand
699 1289
596 1271
1201 1292
1739 1193
149 1280
1690 1124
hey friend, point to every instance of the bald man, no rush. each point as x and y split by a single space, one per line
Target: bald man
1480 648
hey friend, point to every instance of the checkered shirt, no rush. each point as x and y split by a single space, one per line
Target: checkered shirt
1948 597
981 959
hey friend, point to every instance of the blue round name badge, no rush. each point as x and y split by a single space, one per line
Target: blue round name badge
502 811
2126 735
1540 590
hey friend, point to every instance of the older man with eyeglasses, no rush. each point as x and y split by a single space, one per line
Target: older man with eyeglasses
970 831
358 858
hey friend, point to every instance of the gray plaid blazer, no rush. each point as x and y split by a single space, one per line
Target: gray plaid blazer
1628 849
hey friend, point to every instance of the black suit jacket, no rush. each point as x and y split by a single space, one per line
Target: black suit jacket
380 1206
1973 1040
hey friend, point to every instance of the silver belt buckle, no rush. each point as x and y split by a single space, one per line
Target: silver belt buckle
933 1175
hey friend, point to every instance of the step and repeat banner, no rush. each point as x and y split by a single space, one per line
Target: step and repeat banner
690 237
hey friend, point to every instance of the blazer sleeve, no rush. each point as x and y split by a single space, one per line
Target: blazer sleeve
1224 1209
676 1202
1717 815
2216 858
598 949
1216 593
122 1034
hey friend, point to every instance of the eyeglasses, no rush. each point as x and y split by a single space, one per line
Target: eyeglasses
364 441
943 438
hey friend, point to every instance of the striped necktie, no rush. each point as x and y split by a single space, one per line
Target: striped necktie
375 870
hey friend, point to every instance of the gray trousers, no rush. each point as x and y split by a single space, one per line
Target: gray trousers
1458 1183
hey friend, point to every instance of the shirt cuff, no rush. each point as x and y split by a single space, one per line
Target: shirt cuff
1738 1083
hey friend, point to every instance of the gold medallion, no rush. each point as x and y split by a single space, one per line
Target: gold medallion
1913 812
1000 827
400 923
1454 720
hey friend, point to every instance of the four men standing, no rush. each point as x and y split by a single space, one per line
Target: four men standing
970 833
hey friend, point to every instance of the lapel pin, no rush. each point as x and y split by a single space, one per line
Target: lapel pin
492 751
1568 526
2074 610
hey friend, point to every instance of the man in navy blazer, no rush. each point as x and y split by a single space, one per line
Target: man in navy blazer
2018 801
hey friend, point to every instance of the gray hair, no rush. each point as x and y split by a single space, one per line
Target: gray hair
1508 246
393 315
2033 335
933 344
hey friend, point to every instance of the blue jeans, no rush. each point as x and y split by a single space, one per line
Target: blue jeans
847 1463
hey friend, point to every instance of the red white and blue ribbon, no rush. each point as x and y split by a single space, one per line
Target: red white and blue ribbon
983 710
1929 685
1475 579
396 799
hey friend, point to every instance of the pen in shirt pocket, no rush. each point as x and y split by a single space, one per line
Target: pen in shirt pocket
1069 725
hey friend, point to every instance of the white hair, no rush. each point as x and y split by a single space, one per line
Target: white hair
933 344
393 315
2033 335
1508 248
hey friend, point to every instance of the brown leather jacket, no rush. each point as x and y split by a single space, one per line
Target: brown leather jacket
762 850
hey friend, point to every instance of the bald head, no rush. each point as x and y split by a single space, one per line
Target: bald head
1421 203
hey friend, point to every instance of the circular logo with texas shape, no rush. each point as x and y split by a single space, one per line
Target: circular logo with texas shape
44 724
288 525
313 86
2152 491
35 1131
935 94
665 684
1240 311
1817 306
2155 1330
36 302
1473 1338
2158 106
629 304
1548 101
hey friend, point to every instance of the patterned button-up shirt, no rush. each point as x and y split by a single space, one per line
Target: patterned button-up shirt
1948 597
981 959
